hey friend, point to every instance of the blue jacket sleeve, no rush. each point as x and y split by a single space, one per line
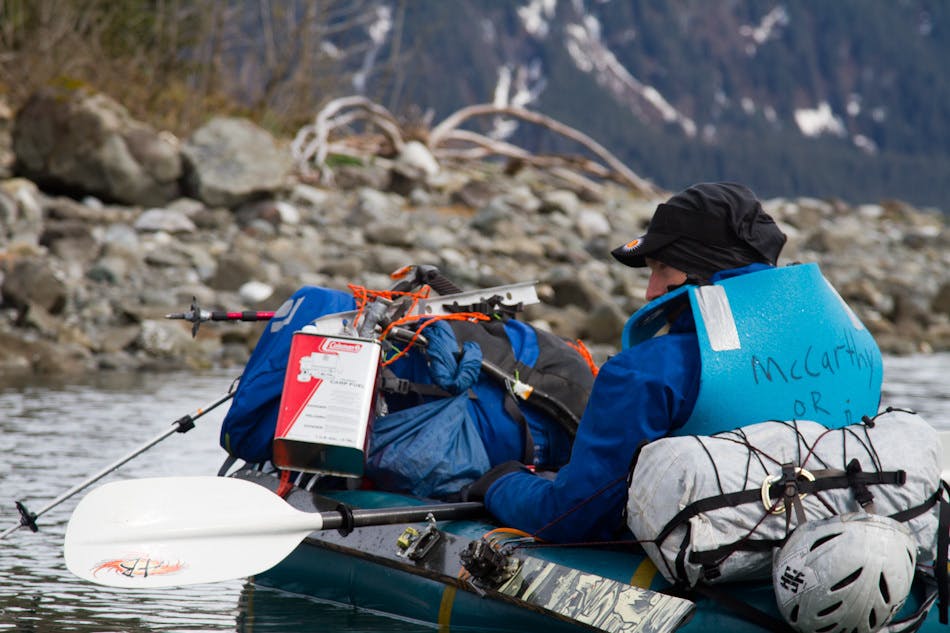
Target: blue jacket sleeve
639 395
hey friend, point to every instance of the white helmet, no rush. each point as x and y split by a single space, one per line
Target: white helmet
850 572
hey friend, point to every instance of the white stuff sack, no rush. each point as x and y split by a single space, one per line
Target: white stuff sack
673 472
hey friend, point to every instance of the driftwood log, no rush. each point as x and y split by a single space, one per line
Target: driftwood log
332 133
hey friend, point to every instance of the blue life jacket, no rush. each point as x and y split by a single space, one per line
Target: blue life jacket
779 343
649 390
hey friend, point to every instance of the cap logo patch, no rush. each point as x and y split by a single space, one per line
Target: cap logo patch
632 244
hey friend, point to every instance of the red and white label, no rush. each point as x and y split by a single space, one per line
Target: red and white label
329 390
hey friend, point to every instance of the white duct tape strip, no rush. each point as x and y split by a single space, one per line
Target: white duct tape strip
717 317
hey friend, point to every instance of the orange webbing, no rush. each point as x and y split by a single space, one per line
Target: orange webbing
362 296
285 486
429 320
585 354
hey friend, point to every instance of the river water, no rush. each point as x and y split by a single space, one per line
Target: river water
54 436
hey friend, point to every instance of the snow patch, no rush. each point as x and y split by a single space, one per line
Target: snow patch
767 29
853 107
381 26
534 17
818 121
330 49
591 55
378 30
488 32
864 144
522 87
518 88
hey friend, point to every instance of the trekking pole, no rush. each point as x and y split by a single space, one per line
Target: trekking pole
197 316
181 425
409 278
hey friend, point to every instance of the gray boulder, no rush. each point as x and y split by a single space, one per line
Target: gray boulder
475 194
70 240
604 323
571 289
87 142
41 357
234 270
230 161
34 280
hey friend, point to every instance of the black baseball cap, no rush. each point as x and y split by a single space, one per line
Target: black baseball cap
705 228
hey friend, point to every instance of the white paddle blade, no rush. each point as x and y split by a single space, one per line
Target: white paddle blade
165 532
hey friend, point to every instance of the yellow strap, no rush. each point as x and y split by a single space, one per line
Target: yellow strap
445 608
644 574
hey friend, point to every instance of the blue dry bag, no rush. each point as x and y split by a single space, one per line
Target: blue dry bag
247 431
432 450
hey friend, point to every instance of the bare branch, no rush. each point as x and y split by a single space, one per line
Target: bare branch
493 146
441 132
562 166
312 145
447 141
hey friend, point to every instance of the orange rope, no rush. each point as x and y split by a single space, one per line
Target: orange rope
428 320
508 531
585 354
363 296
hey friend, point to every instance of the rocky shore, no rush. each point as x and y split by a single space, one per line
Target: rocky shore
106 225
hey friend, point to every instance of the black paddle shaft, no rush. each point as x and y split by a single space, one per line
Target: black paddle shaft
346 518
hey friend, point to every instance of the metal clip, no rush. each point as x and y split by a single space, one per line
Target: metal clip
416 545
770 479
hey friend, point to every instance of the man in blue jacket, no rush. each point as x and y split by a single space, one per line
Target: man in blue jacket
709 232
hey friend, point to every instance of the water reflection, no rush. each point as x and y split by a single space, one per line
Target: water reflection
920 383
55 436
263 610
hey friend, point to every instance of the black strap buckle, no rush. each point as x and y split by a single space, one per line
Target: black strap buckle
790 493
27 518
864 496
392 384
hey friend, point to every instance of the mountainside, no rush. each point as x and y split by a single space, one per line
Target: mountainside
844 98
